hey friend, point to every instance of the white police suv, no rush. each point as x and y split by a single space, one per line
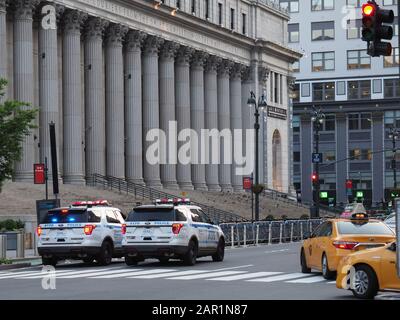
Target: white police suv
171 229
87 230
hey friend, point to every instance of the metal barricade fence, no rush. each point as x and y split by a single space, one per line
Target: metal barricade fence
267 232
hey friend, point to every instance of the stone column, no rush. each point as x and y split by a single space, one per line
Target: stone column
115 133
151 108
224 125
235 97
72 102
197 117
265 141
133 107
247 113
95 146
48 87
211 120
3 39
182 96
167 113
23 78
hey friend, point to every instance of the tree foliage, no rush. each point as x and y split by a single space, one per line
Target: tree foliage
15 124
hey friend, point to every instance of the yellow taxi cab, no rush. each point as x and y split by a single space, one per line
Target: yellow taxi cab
369 271
336 238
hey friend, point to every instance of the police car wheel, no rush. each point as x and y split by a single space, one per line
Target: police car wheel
219 255
105 256
326 273
303 263
191 255
365 283
49 261
131 261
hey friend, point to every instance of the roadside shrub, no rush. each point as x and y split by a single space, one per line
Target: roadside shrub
270 217
284 217
11 225
5 261
304 217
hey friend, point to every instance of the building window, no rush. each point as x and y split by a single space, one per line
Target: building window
305 90
358 59
330 122
296 156
355 3
324 91
377 86
296 66
359 121
354 28
392 88
393 60
290 5
323 61
318 5
207 16
293 30
392 119
244 23
360 154
323 30
359 89
389 2
341 88
232 19
220 13
329 156
296 93
296 124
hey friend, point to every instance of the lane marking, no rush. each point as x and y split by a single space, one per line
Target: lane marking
112 276
232 268
275 251
207 275
332 282
245 276
161 275
308 280
281 277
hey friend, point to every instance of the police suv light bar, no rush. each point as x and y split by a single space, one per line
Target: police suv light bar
90 203
174 201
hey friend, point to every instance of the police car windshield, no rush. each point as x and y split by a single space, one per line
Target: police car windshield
152 214
71 216
348 227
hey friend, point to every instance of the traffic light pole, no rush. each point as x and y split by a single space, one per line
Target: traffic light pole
257 195
317 185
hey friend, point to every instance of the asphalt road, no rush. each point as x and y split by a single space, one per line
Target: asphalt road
256 273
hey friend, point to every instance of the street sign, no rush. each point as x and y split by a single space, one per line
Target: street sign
323 195
317 157
397 201
247 183
39 173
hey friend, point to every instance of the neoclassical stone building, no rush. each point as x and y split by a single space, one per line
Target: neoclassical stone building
107 71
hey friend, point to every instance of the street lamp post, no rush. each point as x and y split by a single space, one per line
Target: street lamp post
394 134
318 119
261 104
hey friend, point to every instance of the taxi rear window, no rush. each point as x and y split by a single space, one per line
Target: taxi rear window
348 227
71 216
155 214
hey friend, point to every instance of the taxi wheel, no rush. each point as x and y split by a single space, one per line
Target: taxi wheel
219 255
131 261
365 284
303 263
190 257
49 261
326 273
105 256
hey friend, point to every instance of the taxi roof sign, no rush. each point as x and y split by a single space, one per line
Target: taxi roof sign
359 216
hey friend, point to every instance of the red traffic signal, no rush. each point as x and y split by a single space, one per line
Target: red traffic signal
349 184
369 9
314 178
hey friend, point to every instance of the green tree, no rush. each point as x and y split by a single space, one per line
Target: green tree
15 124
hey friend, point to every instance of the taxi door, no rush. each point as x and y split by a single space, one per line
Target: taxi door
389 277
313 248
324 244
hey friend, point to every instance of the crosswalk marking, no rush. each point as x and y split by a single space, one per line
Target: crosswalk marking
95 273
86 273
137 272
161 275
308 280
208 275
245 276
332 282
41 274
281 277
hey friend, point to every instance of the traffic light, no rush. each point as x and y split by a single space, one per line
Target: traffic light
314 179
374 29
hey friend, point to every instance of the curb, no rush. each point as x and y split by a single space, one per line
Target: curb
14 266
391 296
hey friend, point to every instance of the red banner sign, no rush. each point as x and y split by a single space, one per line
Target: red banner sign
246 183
39 173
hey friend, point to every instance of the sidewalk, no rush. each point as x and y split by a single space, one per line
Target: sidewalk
29 257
